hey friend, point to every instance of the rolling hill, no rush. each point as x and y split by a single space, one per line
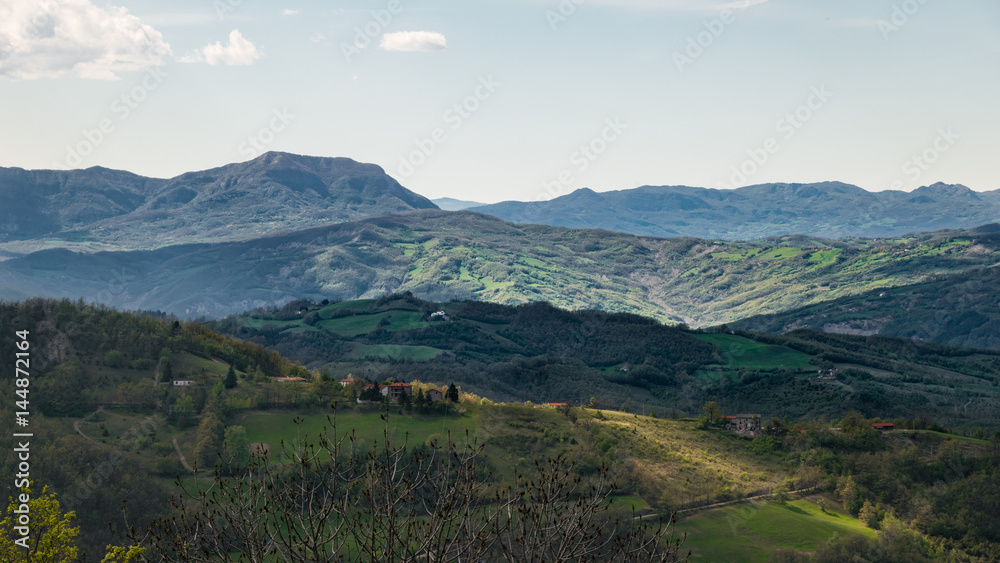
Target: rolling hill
442 255
101 209
109 426
827 209
539 353
958 310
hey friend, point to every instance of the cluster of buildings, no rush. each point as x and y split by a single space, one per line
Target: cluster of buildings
396 392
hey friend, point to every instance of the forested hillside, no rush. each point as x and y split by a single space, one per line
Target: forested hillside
542 354
445 255
115 371
959 310
120 404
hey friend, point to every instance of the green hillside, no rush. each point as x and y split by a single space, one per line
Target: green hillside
751 532
444 255
542 354
959 310
109 425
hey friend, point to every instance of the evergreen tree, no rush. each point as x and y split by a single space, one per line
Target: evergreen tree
371 393
452 393
230 380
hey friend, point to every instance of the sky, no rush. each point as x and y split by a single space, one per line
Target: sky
513 99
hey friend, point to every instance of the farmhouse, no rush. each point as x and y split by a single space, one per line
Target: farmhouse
434 395
743 422
349 381
883 426
183 382
396 391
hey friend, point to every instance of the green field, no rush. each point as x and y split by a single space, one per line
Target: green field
393 351
190 364
272 428
740 352
364 323
752 531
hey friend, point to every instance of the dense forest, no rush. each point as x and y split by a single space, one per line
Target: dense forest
933 498
84 357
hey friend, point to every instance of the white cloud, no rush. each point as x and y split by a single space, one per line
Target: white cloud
413 41
289 12
239 51
53 37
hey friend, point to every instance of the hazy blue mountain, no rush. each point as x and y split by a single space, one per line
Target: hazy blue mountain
827 209
274 192
452 204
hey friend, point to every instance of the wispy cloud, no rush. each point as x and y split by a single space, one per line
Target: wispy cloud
414 41
290 12
48 39
239 51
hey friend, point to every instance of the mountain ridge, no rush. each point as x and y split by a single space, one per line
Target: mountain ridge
825 209
99 208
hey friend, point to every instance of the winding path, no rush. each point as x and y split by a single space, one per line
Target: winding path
184 460
728 502
76 425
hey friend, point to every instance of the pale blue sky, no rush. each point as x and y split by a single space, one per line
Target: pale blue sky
546 86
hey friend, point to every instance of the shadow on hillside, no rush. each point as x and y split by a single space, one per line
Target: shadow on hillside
794 509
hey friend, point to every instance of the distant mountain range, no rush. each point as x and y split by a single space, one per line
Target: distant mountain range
283 227
102 209
98 208
452 204
828 210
